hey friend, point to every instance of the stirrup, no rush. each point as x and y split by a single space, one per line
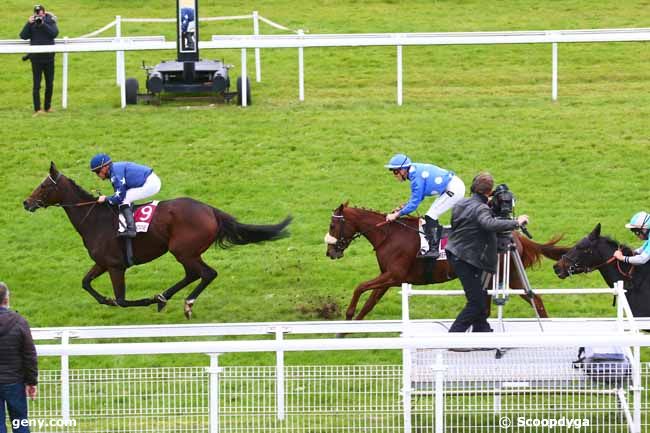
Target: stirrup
432 253
127 234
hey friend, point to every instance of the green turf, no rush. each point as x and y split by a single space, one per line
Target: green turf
572 163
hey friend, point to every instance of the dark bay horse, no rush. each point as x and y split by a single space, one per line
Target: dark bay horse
595 252
396 245
182 226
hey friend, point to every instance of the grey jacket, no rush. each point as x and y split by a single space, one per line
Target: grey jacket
18 362
473 236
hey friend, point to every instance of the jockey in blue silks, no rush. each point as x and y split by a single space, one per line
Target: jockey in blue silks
131 182
426 180
640 226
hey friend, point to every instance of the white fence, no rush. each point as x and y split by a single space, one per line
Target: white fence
434 390
301 41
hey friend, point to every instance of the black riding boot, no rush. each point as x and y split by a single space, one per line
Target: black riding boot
432 233
129 231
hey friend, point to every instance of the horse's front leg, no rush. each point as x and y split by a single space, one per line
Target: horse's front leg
536 301
383 281
119 289
93 273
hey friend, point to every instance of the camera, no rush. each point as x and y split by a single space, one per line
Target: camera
503 202
38 20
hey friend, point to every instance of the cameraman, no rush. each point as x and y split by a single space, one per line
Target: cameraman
41 29
472 251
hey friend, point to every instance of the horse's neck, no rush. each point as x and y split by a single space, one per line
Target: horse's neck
611 272
85 219
367 225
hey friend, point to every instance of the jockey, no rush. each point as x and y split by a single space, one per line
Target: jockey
131 182
426 180
640 226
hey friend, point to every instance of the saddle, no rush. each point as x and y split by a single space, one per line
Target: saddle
142 214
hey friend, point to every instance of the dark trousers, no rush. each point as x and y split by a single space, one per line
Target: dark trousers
38 70
13 396
475 313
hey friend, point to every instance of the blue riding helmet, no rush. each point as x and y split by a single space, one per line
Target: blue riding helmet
640 220
99 160
398 161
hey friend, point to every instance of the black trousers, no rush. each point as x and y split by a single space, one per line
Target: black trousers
475 313
38 70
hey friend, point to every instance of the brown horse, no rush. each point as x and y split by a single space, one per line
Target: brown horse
183 226
396 246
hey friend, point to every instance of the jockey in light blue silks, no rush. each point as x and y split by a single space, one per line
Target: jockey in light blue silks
640 226
426 180
131 182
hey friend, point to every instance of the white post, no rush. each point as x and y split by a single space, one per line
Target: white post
301 71
554 90
119 55
406 388
279 376
64 84
244 90
122 90
65 379
256 31
214 371
406 292
439 369
638 387
399 75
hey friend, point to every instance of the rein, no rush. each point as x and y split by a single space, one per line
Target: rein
341 243
587 269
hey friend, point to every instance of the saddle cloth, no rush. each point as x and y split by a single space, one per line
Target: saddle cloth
142 215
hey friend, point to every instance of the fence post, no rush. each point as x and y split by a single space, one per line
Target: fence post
406 388
64 84
301 70
439 370
119 55
244 90
214 371
399 75
279 376
65 379
554 86
256 31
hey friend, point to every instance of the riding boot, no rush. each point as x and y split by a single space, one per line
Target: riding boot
129 231
432 231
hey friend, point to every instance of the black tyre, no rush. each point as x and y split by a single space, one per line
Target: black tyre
249 99
131 86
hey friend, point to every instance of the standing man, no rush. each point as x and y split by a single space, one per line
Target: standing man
426 180
472 251
18 366
41 29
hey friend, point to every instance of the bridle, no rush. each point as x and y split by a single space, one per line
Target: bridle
55 182
340 243
576 268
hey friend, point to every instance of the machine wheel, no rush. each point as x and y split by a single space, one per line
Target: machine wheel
249 100
131 86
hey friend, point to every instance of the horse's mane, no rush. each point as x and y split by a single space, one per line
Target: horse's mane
380 213
85 195
626 250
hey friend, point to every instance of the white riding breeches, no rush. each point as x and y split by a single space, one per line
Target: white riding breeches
150 187
446 201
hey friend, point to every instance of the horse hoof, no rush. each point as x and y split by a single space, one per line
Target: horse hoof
187 310
162 302
110 302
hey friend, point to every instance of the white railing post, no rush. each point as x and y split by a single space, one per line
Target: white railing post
407 365
406 292
439 370
554 85
65 379
64 78
256 31
214 371
244 90
279 376
301 70
119 55
399 75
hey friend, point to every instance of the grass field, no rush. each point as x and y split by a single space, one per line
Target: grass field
572 163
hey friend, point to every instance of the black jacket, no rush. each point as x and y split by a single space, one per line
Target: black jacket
41 34
473 236
18 361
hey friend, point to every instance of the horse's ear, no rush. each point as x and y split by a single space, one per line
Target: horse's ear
53 169
595 233
347 202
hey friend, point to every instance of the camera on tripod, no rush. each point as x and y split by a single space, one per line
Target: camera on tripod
503 202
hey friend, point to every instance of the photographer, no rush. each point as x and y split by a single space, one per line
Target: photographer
472 251
41 29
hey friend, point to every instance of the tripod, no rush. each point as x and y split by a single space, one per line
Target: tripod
507 250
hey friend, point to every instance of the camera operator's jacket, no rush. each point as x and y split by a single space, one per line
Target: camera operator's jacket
41 34
473 237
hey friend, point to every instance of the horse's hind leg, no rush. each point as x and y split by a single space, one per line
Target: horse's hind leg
93 273
207 275
119 288
191 275
536 301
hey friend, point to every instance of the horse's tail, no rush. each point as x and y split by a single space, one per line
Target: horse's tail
532 251
231 232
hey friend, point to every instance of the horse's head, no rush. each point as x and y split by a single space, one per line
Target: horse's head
47 192
588 254
340 234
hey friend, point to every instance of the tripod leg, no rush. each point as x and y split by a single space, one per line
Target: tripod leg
529 291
